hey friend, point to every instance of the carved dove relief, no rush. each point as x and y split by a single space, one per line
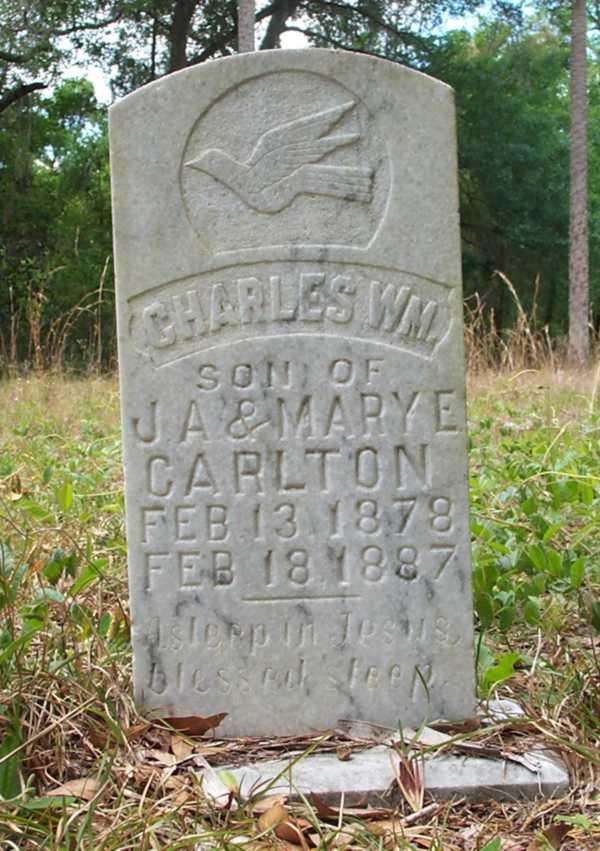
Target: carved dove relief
286 163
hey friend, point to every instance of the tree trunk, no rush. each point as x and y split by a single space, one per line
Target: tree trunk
282 10
246 20
579 341
154 45
180 26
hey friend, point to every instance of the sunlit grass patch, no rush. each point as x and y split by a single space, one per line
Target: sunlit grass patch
80 769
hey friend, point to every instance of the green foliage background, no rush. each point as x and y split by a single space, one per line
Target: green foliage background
56 224
511 81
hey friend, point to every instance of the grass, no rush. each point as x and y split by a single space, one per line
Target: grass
67 722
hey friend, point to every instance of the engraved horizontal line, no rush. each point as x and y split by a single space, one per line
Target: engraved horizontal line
258 337
231 264
316 597
309 253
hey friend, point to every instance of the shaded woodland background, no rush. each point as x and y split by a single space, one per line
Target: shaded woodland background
79 766
510 71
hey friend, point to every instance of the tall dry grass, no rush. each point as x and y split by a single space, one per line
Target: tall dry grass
31 340
526 345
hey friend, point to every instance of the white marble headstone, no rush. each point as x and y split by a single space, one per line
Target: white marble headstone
291 356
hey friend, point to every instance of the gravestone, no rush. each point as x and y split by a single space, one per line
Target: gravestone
291 360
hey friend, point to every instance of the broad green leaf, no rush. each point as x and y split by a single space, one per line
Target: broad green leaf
52 594
578 820
64 496
6 559
577 572
53 571
537 585
104 624
507 616
485 659
37 512
540 525
570 491
583 534
485 610
596 615
529 506
554 562
229 779
503 670
36 621
531 611
87 575
537 556
55 566
71 565
494 845
111 508
21 642
551 532
10 783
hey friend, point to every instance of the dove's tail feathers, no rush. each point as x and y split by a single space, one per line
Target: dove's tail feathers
354 184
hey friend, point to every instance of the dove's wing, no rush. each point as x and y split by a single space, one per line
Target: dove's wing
282 162
307 129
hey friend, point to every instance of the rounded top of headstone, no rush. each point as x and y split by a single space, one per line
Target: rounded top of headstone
285 158
312 154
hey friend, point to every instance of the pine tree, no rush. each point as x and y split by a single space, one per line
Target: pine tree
579 340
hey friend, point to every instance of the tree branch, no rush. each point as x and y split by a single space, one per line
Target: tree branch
280 12
268 10
44 40
380 23
15 58
227 37
334 42
220 42
18 92
97 25
183 12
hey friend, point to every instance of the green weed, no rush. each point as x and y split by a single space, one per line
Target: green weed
65 706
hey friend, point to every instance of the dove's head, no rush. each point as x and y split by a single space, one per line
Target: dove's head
213 162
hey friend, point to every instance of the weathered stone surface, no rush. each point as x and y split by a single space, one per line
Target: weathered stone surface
289 309
369 777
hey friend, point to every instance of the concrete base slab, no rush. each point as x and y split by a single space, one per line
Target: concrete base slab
368 777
